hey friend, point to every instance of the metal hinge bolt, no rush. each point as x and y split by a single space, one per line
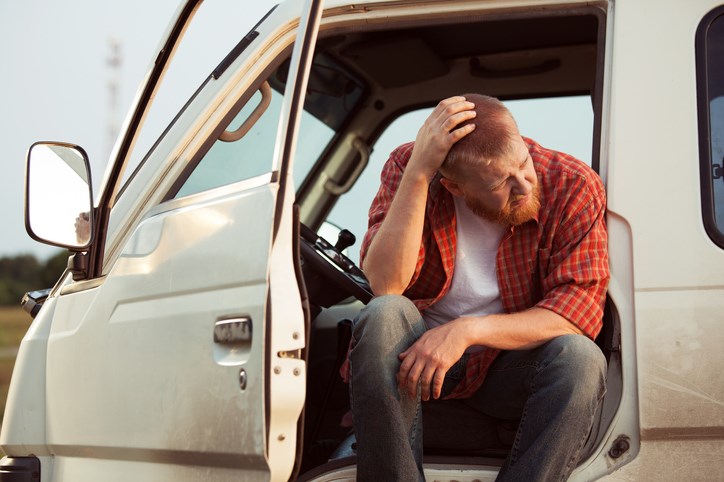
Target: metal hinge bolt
620 446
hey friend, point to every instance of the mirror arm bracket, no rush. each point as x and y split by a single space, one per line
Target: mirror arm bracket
78 266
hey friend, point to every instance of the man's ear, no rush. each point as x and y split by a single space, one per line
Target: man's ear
452 186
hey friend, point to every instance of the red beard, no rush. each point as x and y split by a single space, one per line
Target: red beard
509 215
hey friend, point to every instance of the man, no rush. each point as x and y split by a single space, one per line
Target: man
488 257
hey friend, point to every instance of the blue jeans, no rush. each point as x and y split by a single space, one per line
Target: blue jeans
553 389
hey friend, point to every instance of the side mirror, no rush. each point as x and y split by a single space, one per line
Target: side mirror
58 195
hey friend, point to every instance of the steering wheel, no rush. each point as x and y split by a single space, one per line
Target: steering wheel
330 275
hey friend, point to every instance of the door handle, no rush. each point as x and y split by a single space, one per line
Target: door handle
364 152
266 95
233 331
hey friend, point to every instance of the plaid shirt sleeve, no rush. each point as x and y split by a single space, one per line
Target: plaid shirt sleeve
576 277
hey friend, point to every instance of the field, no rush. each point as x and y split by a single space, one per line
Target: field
14 322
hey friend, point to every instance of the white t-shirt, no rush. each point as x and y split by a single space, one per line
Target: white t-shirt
474 290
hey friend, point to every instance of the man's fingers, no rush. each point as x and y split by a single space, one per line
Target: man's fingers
404 367
437 384
413 378
450 102
456 119
450 120
426 381
448 107
461 132
449 111
408 375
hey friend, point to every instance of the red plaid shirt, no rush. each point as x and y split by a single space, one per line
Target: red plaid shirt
558 261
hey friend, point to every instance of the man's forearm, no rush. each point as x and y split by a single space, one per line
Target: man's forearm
392 256
516 331
432 355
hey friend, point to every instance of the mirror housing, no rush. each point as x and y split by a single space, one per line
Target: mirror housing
58 195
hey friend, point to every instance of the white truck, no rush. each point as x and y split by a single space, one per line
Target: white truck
198 330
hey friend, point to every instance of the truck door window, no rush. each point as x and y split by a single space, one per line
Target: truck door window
710 86
228 162
252 154
332 95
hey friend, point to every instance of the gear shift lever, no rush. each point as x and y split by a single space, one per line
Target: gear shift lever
344 240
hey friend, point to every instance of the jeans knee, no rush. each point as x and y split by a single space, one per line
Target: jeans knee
386 327
580 364
387 319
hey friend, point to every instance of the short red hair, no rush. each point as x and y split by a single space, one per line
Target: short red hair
494 127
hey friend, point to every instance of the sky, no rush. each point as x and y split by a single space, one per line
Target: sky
54 85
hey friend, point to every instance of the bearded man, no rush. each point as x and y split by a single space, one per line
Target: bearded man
487 255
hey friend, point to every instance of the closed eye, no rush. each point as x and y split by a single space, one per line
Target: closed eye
499 185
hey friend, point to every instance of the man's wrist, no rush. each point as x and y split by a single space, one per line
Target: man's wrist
418 179
418 171
473 329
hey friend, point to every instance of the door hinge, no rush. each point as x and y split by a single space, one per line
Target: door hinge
295 354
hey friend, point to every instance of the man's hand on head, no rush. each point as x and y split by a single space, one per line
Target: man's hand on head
438 134
427 361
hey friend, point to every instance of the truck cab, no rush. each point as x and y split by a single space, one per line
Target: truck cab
201 324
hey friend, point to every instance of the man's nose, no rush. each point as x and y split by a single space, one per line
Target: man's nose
523 186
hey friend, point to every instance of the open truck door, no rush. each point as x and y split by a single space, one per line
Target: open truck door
188 285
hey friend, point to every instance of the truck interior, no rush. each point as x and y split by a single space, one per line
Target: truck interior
364 77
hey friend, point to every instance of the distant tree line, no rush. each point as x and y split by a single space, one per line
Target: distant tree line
23 273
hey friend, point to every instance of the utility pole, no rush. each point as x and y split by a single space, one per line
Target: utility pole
114 63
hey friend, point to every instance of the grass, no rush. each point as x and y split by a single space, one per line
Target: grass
14 322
